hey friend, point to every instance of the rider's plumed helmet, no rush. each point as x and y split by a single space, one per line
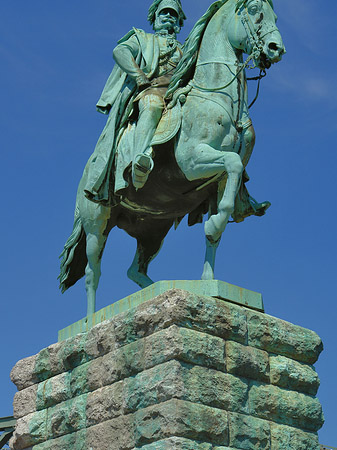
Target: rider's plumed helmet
159 5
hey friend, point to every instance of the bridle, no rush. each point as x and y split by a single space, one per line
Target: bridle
254 38
256 42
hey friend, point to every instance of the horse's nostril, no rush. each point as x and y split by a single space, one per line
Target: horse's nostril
273 46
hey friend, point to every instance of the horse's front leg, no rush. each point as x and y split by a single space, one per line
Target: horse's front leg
206 163
216 224
209 263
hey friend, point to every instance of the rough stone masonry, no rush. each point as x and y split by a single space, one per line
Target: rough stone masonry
180 371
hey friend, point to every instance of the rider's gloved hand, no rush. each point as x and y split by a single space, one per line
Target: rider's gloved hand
142 81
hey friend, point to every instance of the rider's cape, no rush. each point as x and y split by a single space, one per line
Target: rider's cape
117 101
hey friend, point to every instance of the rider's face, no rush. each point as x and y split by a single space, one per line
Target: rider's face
167 19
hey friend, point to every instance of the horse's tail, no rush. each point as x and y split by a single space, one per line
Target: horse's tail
74 258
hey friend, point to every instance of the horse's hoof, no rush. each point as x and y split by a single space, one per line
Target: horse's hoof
141 168
208 273
139 278
213 229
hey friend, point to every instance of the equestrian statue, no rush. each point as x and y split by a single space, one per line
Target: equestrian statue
177 139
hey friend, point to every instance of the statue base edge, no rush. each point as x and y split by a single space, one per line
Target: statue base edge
211 288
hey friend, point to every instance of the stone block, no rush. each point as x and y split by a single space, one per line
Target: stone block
25 401
181 308
30 430
290 374
56 358
247 362
248 433
155 385
78 381
283 437
104 404
182 419
177 443
52 391
118 433
195 384
42 369
283 338
22 374
67 417
100 340
216 389
73 441
285 407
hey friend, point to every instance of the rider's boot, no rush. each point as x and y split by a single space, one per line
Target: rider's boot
141 168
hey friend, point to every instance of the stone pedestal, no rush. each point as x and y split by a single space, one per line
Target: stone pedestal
179 371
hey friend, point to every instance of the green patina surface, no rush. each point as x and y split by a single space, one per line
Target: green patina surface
211 288
161 95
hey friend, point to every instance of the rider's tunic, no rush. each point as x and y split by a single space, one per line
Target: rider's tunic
157 57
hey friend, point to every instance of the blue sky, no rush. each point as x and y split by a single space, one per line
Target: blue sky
55 58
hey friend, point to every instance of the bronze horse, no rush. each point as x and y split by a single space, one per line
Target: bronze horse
200 169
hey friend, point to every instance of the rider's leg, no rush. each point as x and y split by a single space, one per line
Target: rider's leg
150 110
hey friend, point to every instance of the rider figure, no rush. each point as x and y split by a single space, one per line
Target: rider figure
166 21
135 92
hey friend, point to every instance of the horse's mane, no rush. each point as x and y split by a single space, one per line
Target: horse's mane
186 66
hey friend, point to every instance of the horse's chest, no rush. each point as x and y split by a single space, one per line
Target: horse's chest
208 118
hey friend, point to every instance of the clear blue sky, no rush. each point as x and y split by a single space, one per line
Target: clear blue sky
55 58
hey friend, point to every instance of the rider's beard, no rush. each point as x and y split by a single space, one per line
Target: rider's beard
170 27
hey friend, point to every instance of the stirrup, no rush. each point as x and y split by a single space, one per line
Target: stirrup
141 168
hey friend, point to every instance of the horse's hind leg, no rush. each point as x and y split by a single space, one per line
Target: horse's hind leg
150 236
97 223
95 247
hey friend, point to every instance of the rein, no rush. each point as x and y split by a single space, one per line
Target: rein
201 88
262 74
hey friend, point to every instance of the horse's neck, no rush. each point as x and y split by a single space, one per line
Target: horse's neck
215 44
217 60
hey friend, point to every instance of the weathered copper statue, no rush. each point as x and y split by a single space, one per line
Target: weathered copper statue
177 139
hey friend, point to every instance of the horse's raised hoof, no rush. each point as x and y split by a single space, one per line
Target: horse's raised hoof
214 228
141 168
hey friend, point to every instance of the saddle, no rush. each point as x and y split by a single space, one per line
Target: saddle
168 126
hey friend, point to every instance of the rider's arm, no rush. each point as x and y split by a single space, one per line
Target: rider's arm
124 55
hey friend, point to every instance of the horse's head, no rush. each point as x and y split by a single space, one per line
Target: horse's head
253 30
